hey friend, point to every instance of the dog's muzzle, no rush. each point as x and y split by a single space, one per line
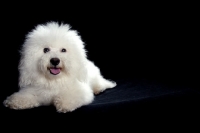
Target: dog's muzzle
54 69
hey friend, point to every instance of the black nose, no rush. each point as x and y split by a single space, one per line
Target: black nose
55 61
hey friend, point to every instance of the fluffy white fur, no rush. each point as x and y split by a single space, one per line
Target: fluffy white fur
68 82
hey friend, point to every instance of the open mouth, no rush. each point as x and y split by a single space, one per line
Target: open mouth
54 70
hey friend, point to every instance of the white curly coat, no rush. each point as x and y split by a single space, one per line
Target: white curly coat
73 85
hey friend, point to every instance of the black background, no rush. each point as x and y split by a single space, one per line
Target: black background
153 41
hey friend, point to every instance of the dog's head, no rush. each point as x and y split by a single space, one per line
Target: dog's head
51 51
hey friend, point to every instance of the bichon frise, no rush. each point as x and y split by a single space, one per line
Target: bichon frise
54 69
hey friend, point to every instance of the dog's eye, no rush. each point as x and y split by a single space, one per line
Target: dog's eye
46 50
63 50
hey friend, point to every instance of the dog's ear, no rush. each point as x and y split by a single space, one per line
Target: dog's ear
24 73
24 79
82 74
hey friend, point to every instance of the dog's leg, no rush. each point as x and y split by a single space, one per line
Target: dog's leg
99 84
96 80
23 99
75 96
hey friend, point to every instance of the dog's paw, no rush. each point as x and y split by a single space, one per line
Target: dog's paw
63 106
17 102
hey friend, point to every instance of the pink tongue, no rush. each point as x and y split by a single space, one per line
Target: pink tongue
55 70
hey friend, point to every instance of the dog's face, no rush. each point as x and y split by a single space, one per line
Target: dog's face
51 51
54 61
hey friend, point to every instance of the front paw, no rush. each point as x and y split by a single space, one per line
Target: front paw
19 102
62 106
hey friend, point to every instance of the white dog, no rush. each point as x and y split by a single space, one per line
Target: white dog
54 69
